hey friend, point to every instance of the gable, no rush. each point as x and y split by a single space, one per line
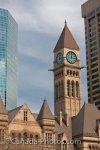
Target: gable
18 123
85 122
18 115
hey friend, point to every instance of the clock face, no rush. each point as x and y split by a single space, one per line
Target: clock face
71 57
59 58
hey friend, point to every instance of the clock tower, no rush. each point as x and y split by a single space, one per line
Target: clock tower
67 80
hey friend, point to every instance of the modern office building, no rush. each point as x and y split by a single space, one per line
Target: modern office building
91 15
8 59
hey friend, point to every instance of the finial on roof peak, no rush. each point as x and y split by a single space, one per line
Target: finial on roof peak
65 23
45 98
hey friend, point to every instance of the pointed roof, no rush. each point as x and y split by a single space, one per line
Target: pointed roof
3 109
67 130
12 113
85 122
66 40
45 112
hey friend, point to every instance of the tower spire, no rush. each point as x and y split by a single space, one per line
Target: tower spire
45 112
65 23
66 40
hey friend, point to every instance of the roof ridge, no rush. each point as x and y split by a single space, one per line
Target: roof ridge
64 34
15 108
13 113
84 106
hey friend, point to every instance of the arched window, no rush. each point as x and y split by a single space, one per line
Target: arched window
67 72
90 148
77 90
56 91
77 73
1 134
64 145
68 88
62 90
31 137
71 73
73 88
25 137
19 136
93 148
59 93
13 137
36 137
96 148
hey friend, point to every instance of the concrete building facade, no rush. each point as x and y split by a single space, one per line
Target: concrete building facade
91 15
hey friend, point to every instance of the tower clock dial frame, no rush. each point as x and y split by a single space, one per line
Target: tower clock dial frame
59 58
71 57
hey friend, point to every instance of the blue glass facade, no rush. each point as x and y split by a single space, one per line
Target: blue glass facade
8 59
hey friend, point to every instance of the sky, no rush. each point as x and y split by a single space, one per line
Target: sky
40 23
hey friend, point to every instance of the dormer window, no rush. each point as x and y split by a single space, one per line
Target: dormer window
25 116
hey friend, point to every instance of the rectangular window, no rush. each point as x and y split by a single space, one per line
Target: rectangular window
25 116
94 59
96 92
1 134
95 87
95 81
94 43
96 98
95 76
94 54
95 70
49 137
94 65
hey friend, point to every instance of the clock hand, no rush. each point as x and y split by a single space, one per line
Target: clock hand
71 56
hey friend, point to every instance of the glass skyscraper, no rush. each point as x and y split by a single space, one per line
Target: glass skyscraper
8 59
